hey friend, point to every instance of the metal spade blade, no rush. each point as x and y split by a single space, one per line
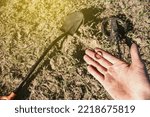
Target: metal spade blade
72 22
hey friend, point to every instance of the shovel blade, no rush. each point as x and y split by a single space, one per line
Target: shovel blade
72 22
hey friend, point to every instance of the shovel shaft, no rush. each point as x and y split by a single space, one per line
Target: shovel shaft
13 94
37 63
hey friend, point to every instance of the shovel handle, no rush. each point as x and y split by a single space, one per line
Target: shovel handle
9 97
15 92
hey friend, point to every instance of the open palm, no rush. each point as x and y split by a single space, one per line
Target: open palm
121 80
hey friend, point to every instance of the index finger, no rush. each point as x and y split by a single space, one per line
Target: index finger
107 56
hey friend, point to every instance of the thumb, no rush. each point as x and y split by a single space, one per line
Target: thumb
135 56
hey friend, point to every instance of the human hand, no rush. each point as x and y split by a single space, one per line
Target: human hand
121 80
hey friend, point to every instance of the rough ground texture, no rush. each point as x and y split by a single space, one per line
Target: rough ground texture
28 26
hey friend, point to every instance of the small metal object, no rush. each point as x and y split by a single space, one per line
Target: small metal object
98 55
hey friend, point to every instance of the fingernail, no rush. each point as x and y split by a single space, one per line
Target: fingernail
87 50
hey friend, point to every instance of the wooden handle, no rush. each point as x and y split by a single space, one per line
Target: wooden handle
9 97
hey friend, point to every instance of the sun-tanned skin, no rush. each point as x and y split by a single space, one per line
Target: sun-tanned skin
121 80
